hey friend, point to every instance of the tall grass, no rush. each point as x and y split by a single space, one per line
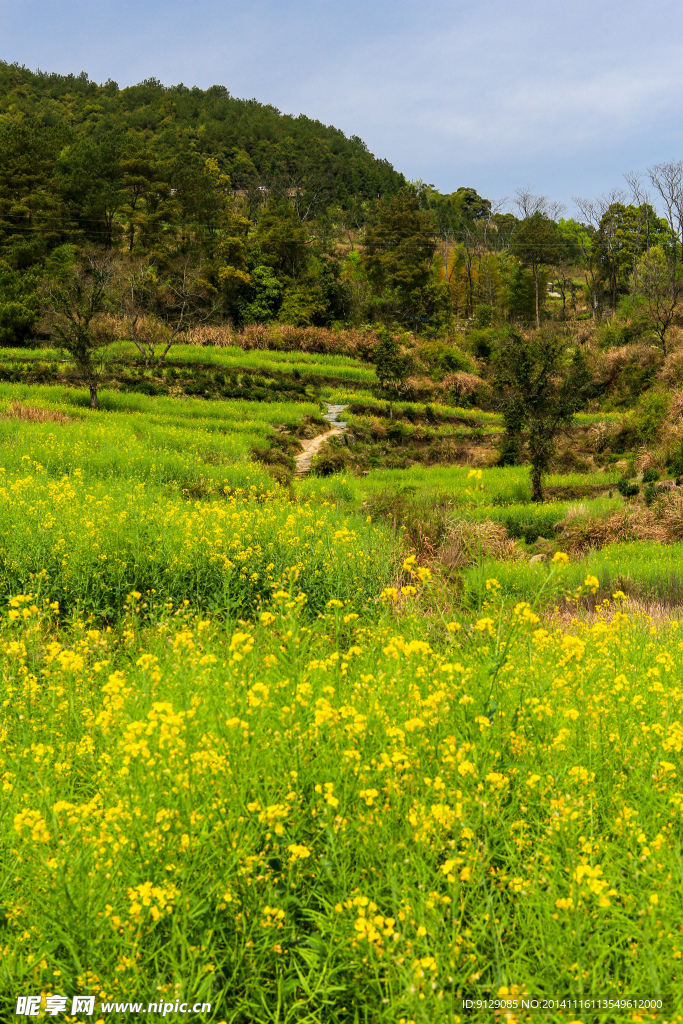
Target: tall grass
530 521
647 571
232 411
497 485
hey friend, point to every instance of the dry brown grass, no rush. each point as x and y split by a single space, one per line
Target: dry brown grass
600 435
18 411
286 338
670 508
461 384
648 458
607 366
592 532
676 407
662 522
655 613
418 388
671 372
465 542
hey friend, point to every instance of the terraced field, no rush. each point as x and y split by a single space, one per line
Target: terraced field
351 747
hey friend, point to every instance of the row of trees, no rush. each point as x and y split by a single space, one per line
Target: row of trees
399 268
617 249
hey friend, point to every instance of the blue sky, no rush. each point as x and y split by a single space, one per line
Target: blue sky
490 94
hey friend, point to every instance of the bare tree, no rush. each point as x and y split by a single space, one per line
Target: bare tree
186 301
136 284
593 210
667 179
78 292
157 310
594 213
641 199
528 203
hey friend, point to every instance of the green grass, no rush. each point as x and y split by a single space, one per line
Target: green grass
400 430
228 358
249 760
455 484
481 416
158 440
645 570
71 400
160 495
529 521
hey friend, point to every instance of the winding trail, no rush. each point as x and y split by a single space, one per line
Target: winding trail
312 447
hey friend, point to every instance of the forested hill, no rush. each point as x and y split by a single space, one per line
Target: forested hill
254 144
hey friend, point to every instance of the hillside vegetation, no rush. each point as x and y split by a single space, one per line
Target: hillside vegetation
397 740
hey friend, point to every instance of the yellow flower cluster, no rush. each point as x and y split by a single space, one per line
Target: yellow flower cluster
396 795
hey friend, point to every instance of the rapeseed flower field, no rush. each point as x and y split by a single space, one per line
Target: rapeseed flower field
248 761
286 819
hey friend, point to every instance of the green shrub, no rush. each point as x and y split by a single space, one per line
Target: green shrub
649 494
521 295
484 315
610 336
626 489
482 342
675 460
649 418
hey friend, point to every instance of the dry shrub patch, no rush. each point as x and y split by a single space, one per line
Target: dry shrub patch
467 542
608 366
263 337
671 372
462 384
36 415
286 338
662 522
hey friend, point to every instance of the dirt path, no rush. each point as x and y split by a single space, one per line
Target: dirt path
312 447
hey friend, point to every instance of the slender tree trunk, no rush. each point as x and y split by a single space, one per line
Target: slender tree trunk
536 484
538 310
662 338
589 285
488 275
564 301
93 396
469 284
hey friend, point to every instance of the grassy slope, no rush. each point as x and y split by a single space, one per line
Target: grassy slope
342 804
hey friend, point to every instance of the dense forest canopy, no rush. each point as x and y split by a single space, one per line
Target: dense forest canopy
253 143
273 217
